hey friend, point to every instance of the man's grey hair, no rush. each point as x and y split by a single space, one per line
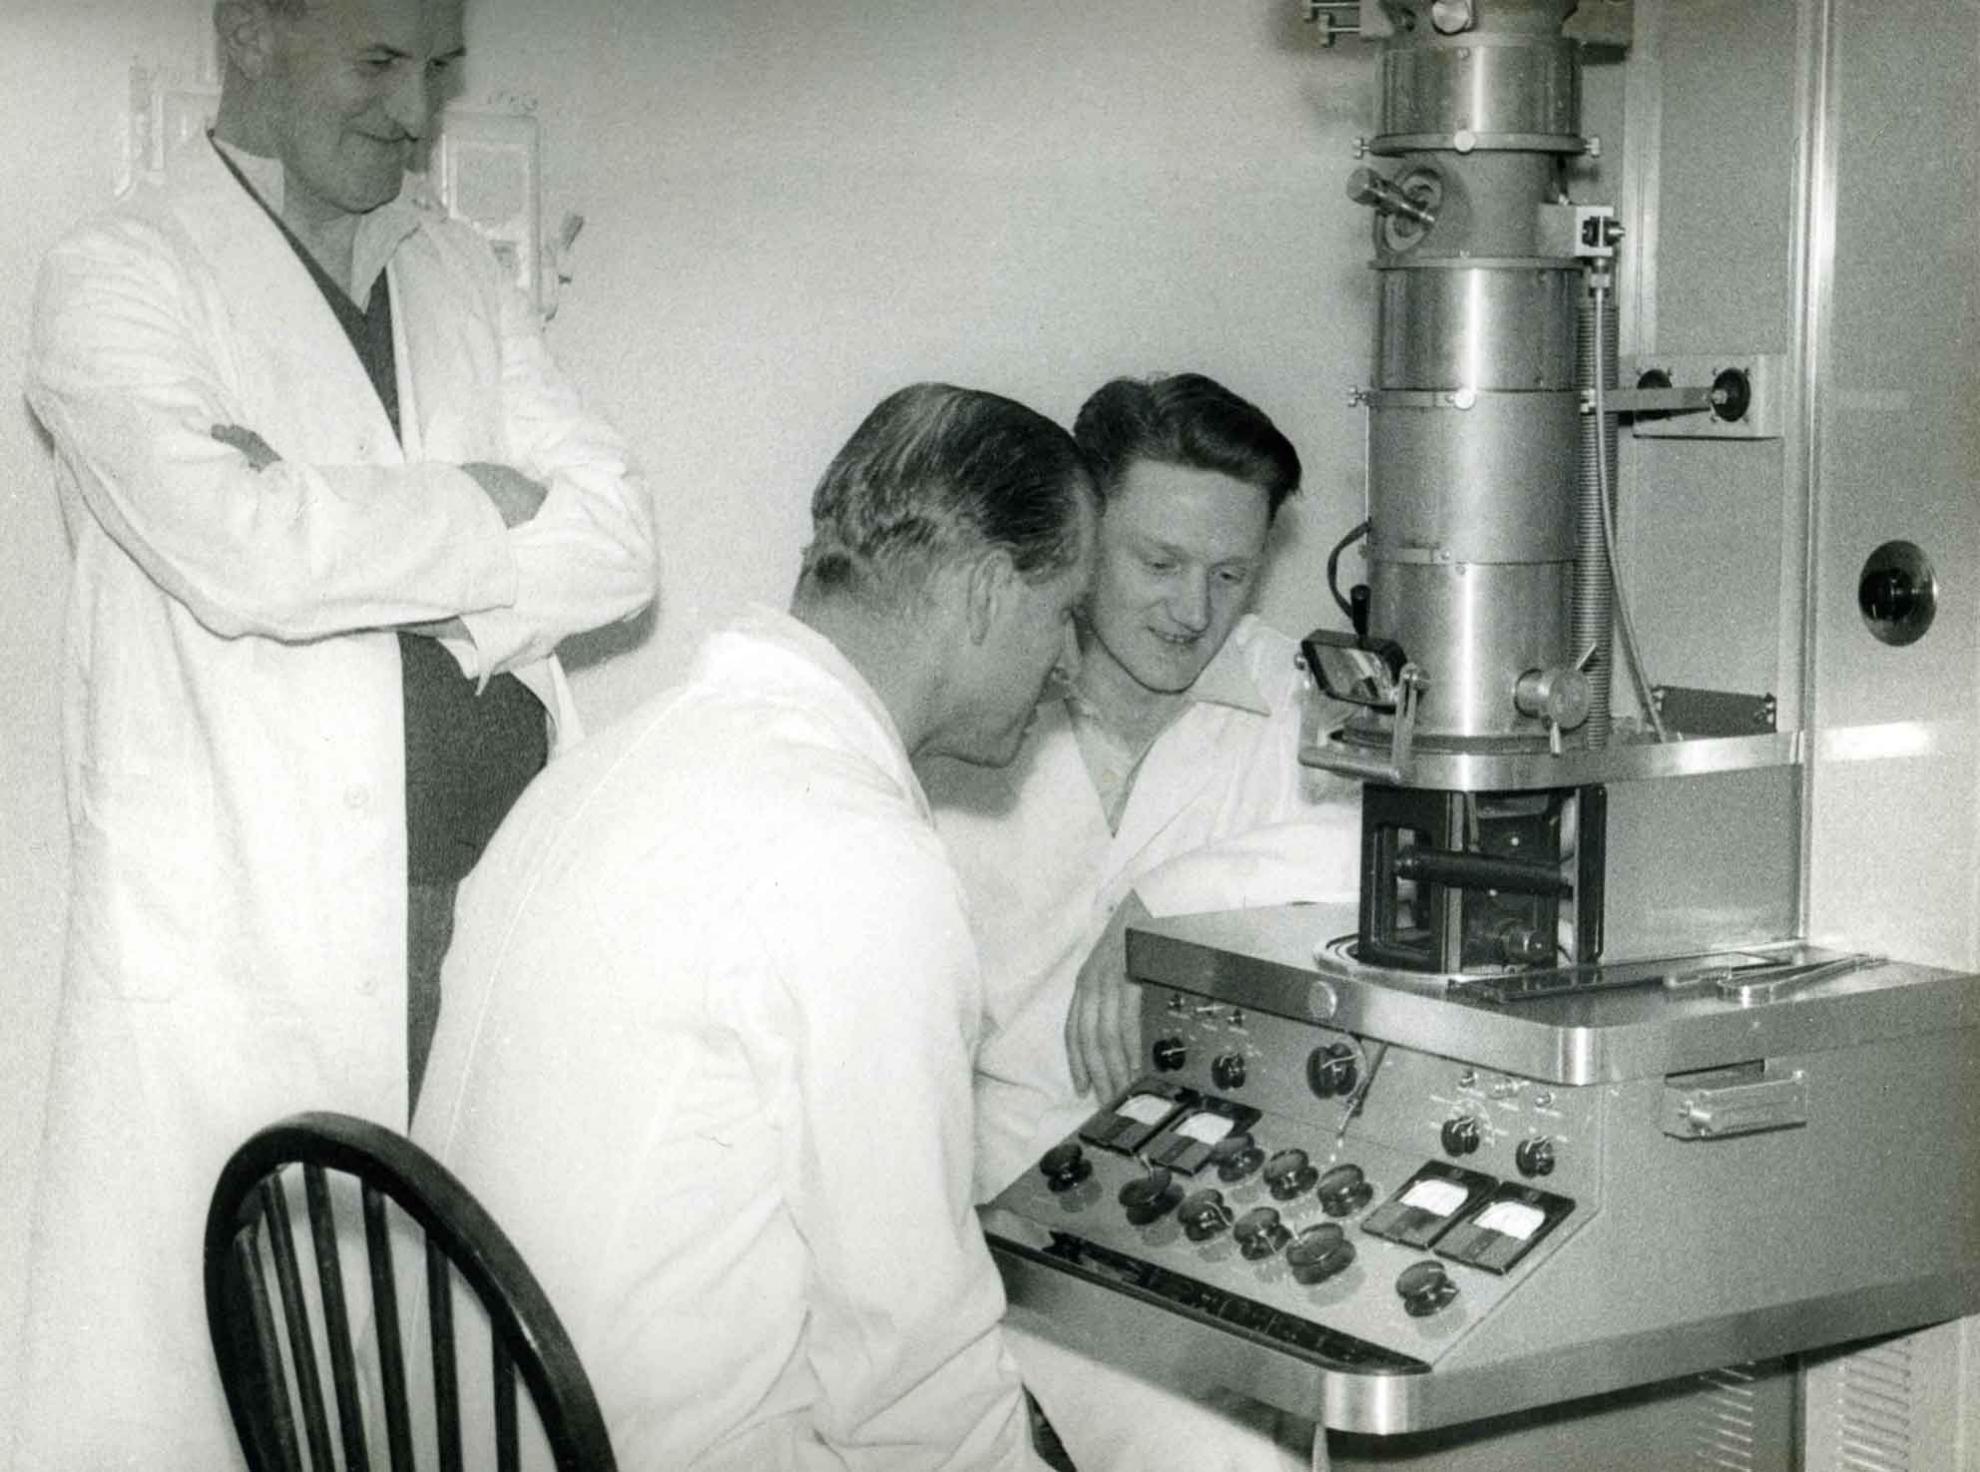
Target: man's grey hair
936 473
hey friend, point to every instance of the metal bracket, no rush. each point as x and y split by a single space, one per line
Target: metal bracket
1757 413
1687 712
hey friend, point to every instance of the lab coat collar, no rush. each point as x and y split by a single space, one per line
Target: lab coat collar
1227 679
764 641
271 295
379 233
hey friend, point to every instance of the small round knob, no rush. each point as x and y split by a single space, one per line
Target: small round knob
1535 1156
1150 1197
1344 1190
1260 1233
1170 1054
1330 1070
1065 1166
1424 1288
1319 1253
1461 1135
1204 1214
1227 1071
1560 694
1288 1173
1236 1156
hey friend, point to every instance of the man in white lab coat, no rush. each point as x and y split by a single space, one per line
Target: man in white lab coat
1164 779
712 1001
332 509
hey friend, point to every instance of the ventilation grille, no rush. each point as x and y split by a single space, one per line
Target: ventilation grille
1874 1400
1728 1430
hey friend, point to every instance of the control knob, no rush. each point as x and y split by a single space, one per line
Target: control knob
1319 1253
1227 1071
1236 1156
1170 1054
1330 1070
1424 1288
1064 1166
1150 1197
1288 1173
1260 1233
1344 1190
1461 1135
1535 1156
1204 1214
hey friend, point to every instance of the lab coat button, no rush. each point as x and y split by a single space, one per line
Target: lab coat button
357 797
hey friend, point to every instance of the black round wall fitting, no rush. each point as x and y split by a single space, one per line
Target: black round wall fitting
1897 593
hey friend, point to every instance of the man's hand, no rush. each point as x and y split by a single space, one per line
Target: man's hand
515 495
1103 1027
259 455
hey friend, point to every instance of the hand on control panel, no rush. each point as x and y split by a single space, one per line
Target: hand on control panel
1103 1025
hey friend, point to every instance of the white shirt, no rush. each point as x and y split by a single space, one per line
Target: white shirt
1220 815
705 1052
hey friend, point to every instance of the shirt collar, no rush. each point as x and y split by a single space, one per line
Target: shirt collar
380 232
1227 680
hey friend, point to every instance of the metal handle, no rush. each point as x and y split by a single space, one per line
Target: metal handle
1716 1112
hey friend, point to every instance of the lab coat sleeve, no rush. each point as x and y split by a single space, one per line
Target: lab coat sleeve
587 557
903 1335
123 378
1307 861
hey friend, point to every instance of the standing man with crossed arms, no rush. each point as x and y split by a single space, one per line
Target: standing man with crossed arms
333 508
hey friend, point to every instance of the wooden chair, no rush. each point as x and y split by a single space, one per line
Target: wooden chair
249 1227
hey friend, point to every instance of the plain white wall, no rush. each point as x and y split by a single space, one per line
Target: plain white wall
792 209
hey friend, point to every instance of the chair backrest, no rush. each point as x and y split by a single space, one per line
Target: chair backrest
250 1228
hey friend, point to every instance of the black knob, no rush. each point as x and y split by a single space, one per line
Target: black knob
1319 1253
1150 1197
1065 1166
1227 1072
1535 1157
1461 1135
1236 1156
1260 1233
1344 1190
1330 1070
1887 595
1204 1214
1425 1287
1288 1173
1170 1054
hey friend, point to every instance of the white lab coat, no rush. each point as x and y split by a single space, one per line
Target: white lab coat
706 1056
234 746
1220 816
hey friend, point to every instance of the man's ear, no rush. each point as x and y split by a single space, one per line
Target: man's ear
246 32
987 586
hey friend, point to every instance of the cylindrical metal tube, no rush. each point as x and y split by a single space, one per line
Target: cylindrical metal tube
1478 327
1475 628
1477 871
1482 83
1491 483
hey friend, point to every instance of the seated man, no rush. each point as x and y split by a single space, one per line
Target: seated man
712 997
1165 779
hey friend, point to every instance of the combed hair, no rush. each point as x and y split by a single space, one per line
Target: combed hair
1188 420
935 473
